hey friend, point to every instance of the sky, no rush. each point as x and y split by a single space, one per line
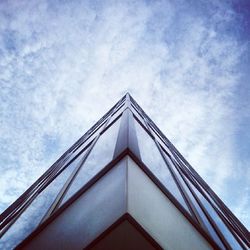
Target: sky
63 64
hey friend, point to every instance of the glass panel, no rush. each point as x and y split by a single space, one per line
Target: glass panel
160 141
218 221
32 216
152 158
89 138
101 155
225 214
208 227
157 133
115 115
137 115
99 127
82 147
244 243
91 214
139 118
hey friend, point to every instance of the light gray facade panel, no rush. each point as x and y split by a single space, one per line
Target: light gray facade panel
158 216
88 216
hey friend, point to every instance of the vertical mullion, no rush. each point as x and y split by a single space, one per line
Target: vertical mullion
48 176
217 230
132 135
17 212
210 195
227 224
30 191
122 138
189 202
73 175
182 190
219 213
21 207
178 183
127 138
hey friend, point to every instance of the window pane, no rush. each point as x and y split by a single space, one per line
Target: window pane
218 221
160 141
101 155
138 116
208 227
32 216
152 158
115 115
91 214
88 139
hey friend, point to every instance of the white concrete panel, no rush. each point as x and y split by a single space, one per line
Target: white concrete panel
158 216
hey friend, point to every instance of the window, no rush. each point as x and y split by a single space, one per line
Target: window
152 158
33 215
101 155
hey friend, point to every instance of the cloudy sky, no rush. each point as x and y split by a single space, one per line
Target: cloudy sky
63 64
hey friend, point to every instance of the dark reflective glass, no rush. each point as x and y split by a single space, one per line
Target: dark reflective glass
33 215
101 155
152 158
244 243
218 221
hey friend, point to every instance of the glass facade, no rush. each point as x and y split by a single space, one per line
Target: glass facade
100 155
154 211
151 151
90 214
152 158
33 215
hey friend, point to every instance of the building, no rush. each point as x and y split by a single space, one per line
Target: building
123 185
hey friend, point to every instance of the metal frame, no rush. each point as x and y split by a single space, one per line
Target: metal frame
133 222
127 144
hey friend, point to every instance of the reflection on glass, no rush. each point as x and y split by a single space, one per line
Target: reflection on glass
218 221
87 141
33 215
115 115
152 158
82 147
208 226
101 155
138 116
160 141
